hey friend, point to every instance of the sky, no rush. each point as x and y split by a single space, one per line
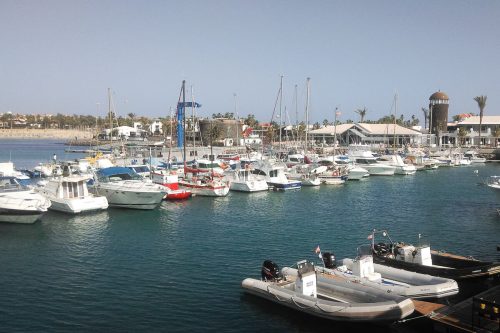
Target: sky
61 56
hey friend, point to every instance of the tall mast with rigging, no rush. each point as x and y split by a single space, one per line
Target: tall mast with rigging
308 82
281 99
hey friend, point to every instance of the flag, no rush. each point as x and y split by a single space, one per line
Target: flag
370 236
318 250
338 113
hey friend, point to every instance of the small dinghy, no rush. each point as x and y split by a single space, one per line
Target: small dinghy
420 259
325 296
388 279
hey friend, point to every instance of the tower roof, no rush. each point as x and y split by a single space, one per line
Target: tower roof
438 96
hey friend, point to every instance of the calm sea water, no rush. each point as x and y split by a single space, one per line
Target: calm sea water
179 267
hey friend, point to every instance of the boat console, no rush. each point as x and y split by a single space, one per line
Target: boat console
409 253
363 267
305 283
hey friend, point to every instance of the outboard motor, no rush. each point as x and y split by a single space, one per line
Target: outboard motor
270 272
329 260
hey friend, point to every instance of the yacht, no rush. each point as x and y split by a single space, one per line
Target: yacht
126 189
243 180
401 167
69 194
19 204
473 157
274 173
363 157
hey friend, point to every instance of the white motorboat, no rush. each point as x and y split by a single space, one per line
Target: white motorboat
7 170
124 188
355 172
274 173
375 168
243 180
387 279
204 185
401 167
19 204
493 182
335 176
142 170
69 194
363 157
322 296
306 174
473 157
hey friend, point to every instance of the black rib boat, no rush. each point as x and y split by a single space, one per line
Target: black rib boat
420 258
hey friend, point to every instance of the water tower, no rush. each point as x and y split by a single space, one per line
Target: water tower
438 112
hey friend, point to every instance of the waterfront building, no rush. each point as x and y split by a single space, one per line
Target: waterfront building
387 134
465 132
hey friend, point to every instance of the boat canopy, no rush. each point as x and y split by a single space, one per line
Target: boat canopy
117 173
106 172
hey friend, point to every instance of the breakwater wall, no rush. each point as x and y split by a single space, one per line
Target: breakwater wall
63 134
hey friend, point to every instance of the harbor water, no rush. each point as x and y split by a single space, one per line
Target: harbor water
178 268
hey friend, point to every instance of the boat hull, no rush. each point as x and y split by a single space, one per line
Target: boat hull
20 216
462 268
378 170
384 311
133 199
402 282
249 186
290 185
79 205
206 190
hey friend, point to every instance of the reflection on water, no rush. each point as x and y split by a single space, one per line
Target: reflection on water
182 264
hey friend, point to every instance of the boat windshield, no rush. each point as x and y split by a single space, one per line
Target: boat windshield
120 176
9 183
364 250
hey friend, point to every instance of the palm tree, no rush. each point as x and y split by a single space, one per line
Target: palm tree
481 103
426 116
362 113
462 134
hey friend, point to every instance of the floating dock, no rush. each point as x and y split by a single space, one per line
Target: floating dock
476 314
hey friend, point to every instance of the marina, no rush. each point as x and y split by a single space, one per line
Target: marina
123 269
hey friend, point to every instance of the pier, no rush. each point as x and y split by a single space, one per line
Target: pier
476 314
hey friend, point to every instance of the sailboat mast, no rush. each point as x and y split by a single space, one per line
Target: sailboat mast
193 124
335 131
395 113
171 136
184 119
109 117
237 125
296 115
281 99
307 112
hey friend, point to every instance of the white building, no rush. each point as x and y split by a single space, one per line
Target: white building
367 134
156 127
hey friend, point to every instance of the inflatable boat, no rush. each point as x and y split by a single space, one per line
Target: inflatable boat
388 279
420 259
325 296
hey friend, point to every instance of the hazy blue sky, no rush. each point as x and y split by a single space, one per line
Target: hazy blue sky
61 56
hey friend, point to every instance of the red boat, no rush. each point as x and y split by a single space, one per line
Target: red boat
170 180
